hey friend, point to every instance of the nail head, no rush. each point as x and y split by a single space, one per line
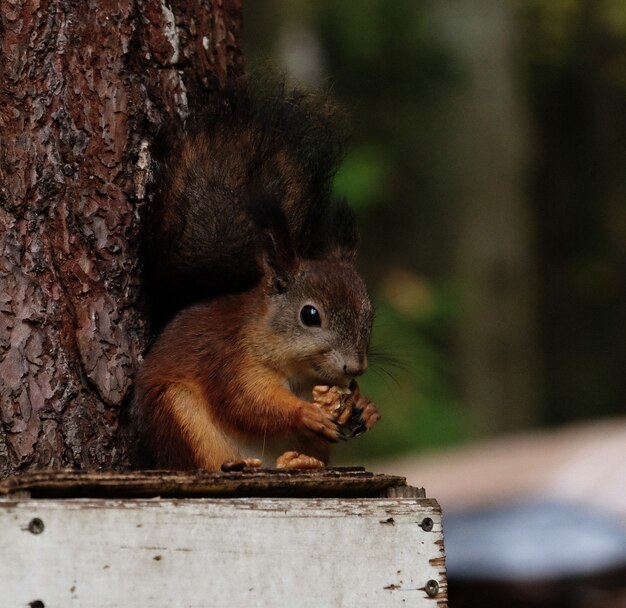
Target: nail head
431 588
35 526
427 524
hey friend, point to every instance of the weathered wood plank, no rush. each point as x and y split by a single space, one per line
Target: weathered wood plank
328 482
246 552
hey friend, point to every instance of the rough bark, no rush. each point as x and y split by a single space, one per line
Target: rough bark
83 85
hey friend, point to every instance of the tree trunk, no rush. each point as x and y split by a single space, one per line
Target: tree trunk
84 85
488 152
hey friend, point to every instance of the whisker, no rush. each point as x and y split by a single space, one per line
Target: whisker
397 360
389 360
385 375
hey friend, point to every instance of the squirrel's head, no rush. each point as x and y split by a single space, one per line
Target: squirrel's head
320 322
319 315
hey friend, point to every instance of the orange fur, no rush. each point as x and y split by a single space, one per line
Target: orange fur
242 205
203 396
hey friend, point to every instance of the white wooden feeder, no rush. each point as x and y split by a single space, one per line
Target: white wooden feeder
330 538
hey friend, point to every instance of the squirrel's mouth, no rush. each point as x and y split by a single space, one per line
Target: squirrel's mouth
315 374
338 379
341 383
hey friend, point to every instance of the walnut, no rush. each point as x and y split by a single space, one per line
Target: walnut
335 401
295 460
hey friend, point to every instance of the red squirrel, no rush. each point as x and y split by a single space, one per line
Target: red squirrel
249 265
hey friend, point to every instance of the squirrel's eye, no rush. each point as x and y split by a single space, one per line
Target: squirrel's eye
310 316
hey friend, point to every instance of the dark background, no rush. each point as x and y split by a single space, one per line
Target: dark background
488 169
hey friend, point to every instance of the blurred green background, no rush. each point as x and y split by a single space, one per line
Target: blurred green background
488 170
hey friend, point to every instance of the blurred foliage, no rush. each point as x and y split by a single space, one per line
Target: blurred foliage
362 176
389 71
389 64
410 373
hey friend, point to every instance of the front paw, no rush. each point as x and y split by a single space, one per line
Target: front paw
349 409
317 421
335 402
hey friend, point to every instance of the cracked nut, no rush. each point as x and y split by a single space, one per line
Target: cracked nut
335 401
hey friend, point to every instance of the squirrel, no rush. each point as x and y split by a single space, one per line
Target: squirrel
249 266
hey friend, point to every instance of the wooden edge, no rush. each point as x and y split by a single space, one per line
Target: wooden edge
337 482
404 492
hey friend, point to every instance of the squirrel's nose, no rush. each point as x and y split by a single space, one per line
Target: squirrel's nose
353 368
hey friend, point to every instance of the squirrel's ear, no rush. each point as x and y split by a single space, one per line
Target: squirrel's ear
278 259
342 233
277 265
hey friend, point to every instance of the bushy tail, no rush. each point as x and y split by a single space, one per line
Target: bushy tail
251 150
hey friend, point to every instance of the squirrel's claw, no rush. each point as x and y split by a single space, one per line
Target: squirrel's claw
341 434
316 421
359 428
351 414
364 416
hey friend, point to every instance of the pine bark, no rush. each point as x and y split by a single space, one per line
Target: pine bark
83 87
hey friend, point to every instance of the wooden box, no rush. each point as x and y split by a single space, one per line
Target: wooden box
336 537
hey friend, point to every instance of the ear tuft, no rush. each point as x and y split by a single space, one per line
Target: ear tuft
278 258
342 232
